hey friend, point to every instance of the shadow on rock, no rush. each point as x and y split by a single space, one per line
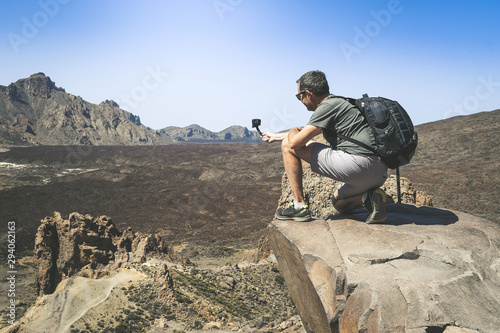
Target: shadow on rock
400 214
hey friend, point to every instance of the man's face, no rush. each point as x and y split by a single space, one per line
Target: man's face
305 98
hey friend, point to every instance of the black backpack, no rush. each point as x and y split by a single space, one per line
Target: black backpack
395 137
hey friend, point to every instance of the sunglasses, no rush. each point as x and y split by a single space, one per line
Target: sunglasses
299 95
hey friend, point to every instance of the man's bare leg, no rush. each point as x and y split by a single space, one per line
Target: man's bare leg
344 205
292 160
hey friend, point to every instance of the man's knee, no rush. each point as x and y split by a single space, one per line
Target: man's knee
285 145
337 201
304 152
335 198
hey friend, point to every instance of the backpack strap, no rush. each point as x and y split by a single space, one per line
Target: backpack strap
343 137
359 143
349 99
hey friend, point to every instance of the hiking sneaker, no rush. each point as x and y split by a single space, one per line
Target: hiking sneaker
290 213
375 206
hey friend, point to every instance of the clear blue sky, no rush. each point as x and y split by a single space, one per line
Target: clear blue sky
219 63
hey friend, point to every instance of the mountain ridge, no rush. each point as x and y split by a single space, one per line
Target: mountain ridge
34 111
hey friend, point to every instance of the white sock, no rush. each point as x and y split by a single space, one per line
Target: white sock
298 205
364 197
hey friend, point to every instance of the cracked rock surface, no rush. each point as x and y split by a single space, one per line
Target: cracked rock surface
425 270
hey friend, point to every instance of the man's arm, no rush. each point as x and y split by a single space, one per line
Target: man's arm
298 137
272 137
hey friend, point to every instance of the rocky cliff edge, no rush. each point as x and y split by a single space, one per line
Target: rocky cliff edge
425 270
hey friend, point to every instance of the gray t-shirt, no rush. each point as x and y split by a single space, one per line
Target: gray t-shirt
336 115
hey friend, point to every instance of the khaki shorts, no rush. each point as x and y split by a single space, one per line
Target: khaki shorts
357 173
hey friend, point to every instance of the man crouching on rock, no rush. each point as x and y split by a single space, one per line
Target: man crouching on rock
359 170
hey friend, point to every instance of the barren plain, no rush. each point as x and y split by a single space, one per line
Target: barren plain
216 193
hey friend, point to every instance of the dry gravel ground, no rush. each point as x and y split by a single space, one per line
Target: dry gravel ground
215 193
82 300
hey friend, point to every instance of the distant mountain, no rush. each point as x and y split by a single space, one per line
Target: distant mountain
34 111
197 133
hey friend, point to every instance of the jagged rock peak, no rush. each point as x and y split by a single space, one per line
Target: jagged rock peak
110 102
39 77
37 84
82 245
39 74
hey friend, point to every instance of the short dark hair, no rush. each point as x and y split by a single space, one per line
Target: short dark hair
315 82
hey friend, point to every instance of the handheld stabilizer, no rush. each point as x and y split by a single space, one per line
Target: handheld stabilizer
255 124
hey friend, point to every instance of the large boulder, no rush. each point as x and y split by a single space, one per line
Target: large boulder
425 270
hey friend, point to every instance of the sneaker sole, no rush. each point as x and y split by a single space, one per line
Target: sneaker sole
381 219
294 218
378 215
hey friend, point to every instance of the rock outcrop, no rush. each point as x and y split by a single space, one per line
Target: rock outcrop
263 250
426 270
92 277
319 190
89 247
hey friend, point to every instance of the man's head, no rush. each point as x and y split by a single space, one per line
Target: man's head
313 89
